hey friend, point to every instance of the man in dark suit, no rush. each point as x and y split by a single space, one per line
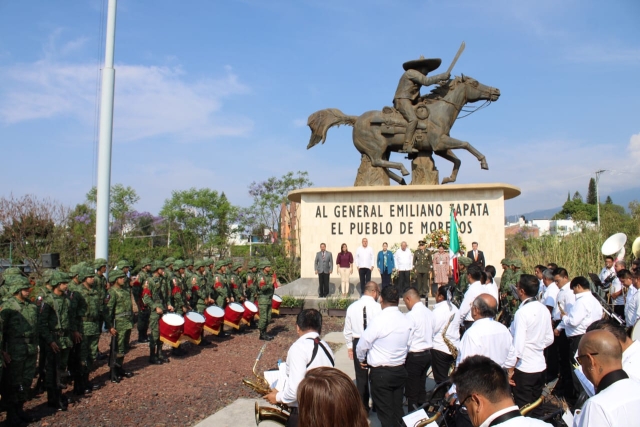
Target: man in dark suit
476 256
323 266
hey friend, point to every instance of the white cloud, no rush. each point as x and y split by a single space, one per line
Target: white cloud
634 147
149 101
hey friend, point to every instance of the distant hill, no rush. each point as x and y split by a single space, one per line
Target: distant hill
539 214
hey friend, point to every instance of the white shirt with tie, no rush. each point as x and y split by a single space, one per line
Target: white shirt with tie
582 313
421 337
385 342
565 299
442 312
489 338
354 320
532 333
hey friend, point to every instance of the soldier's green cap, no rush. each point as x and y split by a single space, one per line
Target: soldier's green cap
100 262
209 261
84 273
169 260
178 264
115 274
516 262
122 264
505 261
200 263
465 261
74 270
188 262
251 264
12 271
219 263
144 262
47 275
60 277
237 265
157 265
264 264
17 283
228 261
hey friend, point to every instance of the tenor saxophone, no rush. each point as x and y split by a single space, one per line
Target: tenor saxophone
452 348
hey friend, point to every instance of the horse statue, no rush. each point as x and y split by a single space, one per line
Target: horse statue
377 133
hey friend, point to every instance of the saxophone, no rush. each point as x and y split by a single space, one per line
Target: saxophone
452 348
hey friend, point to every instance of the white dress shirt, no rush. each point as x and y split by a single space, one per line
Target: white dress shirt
616 406
550 295
541 290
489 338
441 314
630 308
354 320
616 286
514 422
631 361
532 333
475 289
364 257
583 313
385 342
607 273
403 259
421 337
298 357
566 298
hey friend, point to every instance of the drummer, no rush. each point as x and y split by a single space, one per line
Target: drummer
178 298
250 287
220 285
235 283
155 297
202 292
264 290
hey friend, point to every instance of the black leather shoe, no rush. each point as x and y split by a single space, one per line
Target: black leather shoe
125 374
265 337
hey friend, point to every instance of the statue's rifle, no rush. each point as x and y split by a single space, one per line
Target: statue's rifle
455 59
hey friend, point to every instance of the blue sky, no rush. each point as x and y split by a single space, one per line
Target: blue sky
216 93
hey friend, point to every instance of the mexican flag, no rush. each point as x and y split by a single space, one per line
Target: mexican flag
454 245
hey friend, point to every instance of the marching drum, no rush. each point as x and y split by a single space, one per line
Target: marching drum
250 311
233 313
275 304
213 319
193 324
171 326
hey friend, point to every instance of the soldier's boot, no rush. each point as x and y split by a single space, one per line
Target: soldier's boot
203 342
161 356
78 385
12 416
115 378
40 384
264 336
178 351
54 399
153 359
121 370
22 414
142 336
88 385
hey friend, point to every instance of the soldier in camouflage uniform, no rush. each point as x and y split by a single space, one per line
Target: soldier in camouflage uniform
19 345
119 320
169 271
89 306
40 293
75 368
235 283
250 287
463 281
154 297
5 291
220 285
125 266
208 272
422 262
516 267
57 327
143 311
202 294
265 289
189 264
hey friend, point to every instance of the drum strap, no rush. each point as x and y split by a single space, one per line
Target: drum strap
316 344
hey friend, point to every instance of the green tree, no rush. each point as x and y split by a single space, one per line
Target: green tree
578 211
200 220
577 196
608 201
121 204
592 197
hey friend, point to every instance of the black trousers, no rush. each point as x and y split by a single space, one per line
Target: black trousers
323 281
440 365
619 310
573 348
404 280
362 377
422 283
565 366
551 359
293 418
386 280
417 364
528 387
387 384
365 276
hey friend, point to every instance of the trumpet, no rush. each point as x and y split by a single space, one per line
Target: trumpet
278 415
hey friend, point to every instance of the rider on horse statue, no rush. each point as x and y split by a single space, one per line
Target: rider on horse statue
408 92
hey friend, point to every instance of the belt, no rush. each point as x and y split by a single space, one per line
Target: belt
387 367
419 352
119 315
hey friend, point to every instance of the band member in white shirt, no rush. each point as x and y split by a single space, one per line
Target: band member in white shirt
580 315
445 315
549 299
364 262
617 399
538 273
630 348
403 258
383 347
486 336
308 352
616 291
474 275
608 272
484 394
565 300
630 313
532 333
360 314
420 344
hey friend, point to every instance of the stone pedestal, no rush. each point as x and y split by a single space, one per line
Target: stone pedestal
393 214
369 175
423 170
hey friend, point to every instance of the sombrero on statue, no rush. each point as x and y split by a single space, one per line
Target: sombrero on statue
423 63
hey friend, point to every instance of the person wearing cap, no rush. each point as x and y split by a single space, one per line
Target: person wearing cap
265 289
463 280
251 285
154 297
89 308
19 326
125 267
56 325
220 285
143 311
100 265
189 264
75 368
422 266
235 283
119 320
41 292
5 291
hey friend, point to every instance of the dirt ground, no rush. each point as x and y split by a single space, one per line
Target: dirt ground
180 393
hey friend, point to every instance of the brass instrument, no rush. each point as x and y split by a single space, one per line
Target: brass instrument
278 415
452 348
545 393
426 421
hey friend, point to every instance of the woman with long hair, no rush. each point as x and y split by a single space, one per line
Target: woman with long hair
344 263
328 397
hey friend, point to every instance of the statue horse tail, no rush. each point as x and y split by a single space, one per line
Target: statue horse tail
321 121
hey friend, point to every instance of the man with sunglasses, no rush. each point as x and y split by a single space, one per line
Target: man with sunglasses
617 398
485 396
